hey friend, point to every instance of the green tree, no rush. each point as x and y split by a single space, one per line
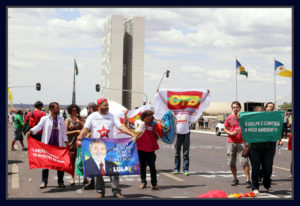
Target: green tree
286 106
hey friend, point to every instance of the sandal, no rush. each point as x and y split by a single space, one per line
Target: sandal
142 186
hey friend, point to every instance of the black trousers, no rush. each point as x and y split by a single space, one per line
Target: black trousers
147 158
264 158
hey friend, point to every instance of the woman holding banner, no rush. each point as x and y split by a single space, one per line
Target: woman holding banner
261 156
73 127
146 145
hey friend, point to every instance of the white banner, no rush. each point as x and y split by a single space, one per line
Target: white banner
186 104
132 115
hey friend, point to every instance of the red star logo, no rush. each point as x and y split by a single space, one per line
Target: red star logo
103 132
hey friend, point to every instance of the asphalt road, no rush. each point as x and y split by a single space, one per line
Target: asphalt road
208 167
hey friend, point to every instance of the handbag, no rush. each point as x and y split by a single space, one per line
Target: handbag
246 151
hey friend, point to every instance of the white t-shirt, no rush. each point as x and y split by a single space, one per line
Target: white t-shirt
183 123
101 126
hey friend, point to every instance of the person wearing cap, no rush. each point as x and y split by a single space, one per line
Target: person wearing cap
101 125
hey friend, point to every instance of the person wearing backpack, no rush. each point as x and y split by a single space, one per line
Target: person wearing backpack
36 115
19 123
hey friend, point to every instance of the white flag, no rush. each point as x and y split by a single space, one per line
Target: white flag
186 104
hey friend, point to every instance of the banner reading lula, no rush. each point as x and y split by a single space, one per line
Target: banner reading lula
132 115
118 156
261 126
186 104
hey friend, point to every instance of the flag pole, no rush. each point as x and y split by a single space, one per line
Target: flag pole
274 84
235 82
73 96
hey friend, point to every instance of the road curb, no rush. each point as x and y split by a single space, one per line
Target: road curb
206 132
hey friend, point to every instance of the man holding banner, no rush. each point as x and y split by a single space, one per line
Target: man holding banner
187 105
101 125
54 133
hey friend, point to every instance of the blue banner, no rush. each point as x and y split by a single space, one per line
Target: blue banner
108 157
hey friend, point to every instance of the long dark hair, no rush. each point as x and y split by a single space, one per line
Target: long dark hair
70 108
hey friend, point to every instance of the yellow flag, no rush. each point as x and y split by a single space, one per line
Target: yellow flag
281 70
10 96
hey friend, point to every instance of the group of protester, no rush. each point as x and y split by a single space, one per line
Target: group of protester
261 154
52 129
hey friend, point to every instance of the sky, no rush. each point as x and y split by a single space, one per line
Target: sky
198 45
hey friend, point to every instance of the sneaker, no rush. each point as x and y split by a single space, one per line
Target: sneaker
142 186
176 171
24 149
100 195
256 192
156 187
43 185
186 172
119 195
235 182
13 149
270 190
248 184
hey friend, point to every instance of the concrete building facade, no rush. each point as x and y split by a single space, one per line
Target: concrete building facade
123 60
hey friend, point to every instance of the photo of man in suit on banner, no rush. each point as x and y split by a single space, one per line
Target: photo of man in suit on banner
97 165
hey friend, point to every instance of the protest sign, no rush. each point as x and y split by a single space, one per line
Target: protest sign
107 157
261 126
46 156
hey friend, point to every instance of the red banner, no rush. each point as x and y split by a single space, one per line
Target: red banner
183 100
46 156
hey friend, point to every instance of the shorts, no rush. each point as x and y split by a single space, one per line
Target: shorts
18 134
235 150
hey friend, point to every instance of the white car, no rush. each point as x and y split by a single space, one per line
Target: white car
220 128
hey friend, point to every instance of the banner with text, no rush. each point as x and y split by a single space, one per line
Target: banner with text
186 104
46 156
106 157
261 126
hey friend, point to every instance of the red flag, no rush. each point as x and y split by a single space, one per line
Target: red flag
46 156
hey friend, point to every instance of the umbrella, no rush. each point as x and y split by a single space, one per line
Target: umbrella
114 108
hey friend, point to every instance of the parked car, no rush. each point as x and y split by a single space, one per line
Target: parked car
220 128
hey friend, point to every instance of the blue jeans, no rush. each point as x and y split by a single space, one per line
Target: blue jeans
184 141
264 158
45 174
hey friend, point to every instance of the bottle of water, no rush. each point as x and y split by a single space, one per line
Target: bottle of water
279 149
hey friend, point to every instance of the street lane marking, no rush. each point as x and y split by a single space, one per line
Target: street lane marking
172 176
281 168
15 177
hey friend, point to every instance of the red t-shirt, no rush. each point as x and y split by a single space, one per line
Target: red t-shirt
37 115
290 142
232 123
147 142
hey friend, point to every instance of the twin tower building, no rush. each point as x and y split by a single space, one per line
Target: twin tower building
122 64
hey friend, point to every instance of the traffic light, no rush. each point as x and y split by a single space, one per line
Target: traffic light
168 73
38 86
97 87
